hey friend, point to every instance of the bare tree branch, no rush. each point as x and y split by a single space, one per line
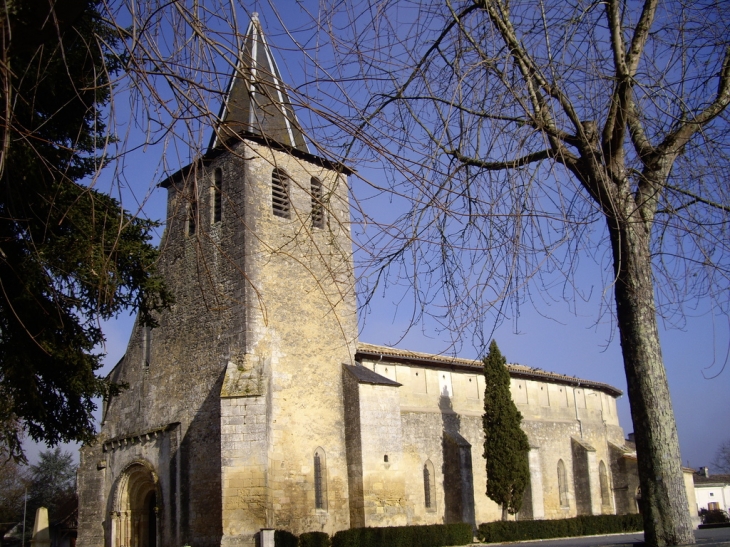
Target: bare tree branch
502 165
677 139
697 199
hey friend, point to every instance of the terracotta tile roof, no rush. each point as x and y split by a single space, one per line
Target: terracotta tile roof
372 351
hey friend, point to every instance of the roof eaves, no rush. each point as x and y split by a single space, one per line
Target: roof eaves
230 143
456 363
364 375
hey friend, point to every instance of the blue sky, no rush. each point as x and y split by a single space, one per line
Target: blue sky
574 337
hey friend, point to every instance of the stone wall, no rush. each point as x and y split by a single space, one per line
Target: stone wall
174 372
377 461
688 474
353 439
625 476
439 405
246 363
90 481
284 400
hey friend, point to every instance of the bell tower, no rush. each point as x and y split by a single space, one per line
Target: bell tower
283 459
234 410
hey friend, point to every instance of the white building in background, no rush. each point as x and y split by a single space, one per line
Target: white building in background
712 491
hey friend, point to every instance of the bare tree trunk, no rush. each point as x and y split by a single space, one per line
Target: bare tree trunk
663 495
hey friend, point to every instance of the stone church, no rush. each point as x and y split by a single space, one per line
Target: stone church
254 406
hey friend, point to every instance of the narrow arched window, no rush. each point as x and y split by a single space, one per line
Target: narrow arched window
146 346
192 216
605 488
563 485
217 194
320 479
317 205
428 486
280 193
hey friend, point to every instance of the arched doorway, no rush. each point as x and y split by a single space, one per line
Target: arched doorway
134 519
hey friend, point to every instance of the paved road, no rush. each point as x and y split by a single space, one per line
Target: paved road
714 537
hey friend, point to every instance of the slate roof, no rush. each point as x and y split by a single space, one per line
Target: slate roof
366 376
257 101
428 360
256 107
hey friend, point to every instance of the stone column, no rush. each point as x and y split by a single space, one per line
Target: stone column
114 529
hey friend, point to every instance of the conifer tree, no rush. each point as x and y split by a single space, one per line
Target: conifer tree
505 444
70 255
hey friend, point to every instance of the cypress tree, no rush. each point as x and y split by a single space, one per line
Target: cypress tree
505 444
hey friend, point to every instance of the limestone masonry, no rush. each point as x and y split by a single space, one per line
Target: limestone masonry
253 405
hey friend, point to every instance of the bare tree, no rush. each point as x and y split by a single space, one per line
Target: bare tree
528 136
721 463
523 138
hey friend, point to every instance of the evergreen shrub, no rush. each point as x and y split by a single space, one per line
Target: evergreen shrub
314 539
713 516
459 534
502 531
505 444
434 535
282 538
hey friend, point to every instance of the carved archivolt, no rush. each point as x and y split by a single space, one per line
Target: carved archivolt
135 508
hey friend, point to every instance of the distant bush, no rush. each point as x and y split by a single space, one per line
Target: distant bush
502 531
434 535
314 539
282 538
713 516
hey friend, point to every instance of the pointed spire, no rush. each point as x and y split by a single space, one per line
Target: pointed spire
257 102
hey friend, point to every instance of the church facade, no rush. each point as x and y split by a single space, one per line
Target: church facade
254 406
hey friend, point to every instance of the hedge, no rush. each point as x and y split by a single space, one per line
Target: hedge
446 535
282 538
314 539
503 531
713 516
435 535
